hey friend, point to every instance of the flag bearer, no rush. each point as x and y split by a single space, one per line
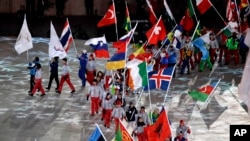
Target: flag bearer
38 81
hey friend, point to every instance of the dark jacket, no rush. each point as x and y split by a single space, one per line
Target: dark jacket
130 113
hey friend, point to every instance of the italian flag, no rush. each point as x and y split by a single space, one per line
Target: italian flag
137 73
203 5
202 93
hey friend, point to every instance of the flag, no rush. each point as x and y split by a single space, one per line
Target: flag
66 36
197 33
203 93
99 45
201 43
187 21
177 37
122 133
55 46
160 79
157 32
137 70
152 16
140 50
127 22
231 10
160 130
203 5
24 39
118 60
227 31
97 135
109 18
243 4
247 38
244 86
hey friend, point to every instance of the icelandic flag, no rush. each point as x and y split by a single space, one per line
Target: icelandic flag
66 37
99 44
160 79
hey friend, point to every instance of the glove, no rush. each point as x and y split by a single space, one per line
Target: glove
87 97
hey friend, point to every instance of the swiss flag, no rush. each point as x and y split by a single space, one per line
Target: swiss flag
109 18
157 32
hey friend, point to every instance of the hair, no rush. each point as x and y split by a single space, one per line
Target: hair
36 59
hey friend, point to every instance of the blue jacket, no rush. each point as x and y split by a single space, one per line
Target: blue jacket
54 67
172 57
32 68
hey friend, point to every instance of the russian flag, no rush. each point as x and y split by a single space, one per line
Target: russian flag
66 37
99 45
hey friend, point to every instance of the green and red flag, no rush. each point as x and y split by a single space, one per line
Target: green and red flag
203 92
127 21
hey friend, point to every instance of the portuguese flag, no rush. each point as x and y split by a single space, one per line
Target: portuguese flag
203 93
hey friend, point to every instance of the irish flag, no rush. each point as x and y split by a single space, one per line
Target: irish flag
137 73
203 93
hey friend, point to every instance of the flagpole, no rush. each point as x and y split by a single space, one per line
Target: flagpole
127 43
116 30
100 131
149 95
72 38
193 10
169 85
219 14
238 14
27 55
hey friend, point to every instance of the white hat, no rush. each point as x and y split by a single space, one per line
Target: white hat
84 51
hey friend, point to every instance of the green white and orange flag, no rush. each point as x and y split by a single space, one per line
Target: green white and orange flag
122 133
203 93
137 73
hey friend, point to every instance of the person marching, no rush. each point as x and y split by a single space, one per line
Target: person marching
139 129
186 55
108 107
91 69
213 46
38 81
117 114
32 69
53 73
65 76
95 96
232 46
130 114
182 128
142 113
82 68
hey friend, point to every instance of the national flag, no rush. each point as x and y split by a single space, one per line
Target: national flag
160 79
24 39
97 135
160 130
201 43
244 86
140 50
203 92
203 5
55 46
137 73
177 37
99 45
227 31
187 21
247 38
66 36
152 16
109 18
122 133
127 21
118 60
243 4
157 32
231 10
